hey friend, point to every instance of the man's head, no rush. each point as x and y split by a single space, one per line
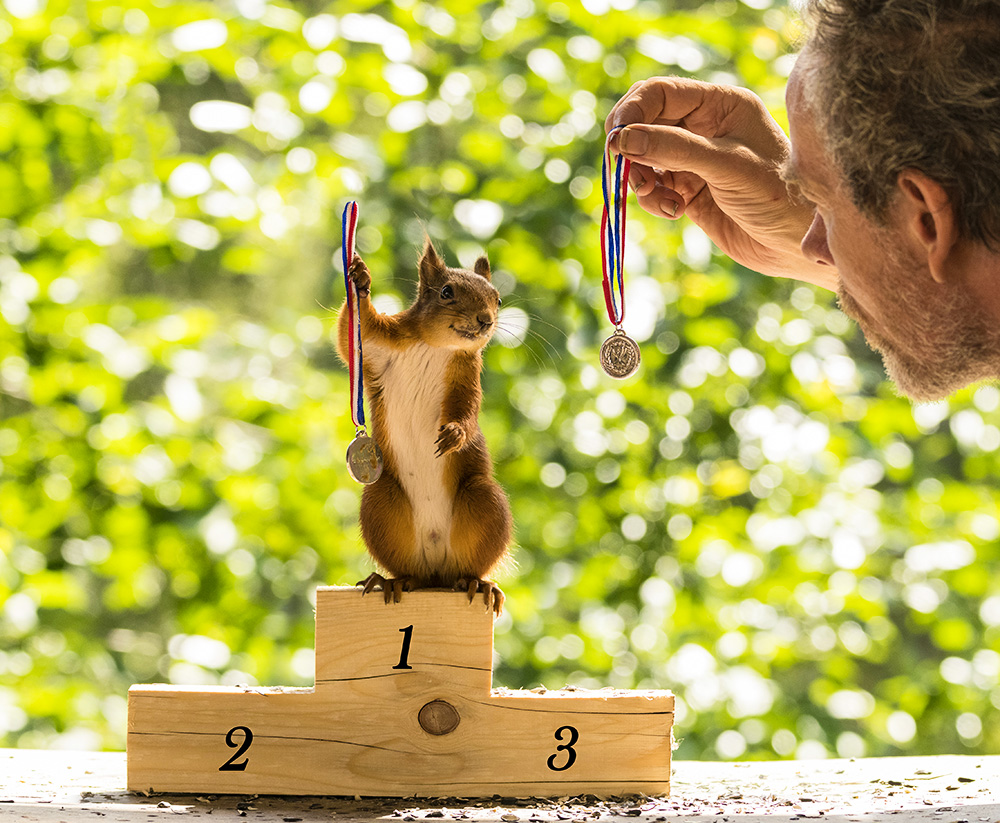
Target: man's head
894 110
911 84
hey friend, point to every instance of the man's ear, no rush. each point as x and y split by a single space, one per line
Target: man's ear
482 267
929 216
431 267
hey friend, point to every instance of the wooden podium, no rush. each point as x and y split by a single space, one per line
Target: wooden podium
402 706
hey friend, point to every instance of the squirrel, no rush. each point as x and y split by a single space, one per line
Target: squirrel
435 516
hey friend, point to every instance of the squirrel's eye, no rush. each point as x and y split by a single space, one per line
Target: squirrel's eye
499 302
447 293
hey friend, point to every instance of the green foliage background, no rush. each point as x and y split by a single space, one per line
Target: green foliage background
756 522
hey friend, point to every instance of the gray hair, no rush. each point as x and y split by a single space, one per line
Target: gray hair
911 84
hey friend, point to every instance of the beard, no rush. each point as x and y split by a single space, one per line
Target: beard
933 341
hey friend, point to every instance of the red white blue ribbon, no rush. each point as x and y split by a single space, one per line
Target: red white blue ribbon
615 186
349 224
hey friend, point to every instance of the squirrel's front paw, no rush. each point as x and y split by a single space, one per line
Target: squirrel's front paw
451 438
360 276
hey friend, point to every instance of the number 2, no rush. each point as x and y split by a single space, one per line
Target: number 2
574 735
231 765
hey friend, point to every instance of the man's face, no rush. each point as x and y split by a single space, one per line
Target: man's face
928 334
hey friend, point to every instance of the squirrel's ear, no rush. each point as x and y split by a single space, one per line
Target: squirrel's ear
431 266
482 267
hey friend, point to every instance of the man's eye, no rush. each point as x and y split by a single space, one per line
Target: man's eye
447 293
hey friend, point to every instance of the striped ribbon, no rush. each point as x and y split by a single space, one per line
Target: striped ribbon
349 224
615 185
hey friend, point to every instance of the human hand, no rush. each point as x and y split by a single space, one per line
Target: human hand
713 152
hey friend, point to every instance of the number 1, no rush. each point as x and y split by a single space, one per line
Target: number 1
405 652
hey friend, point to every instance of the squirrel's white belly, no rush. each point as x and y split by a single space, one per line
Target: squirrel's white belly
413 391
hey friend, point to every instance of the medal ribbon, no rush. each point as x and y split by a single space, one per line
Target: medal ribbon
349 224
615 186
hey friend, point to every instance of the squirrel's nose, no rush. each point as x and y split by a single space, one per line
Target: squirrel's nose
485 321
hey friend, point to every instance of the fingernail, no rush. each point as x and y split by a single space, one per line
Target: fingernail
633 141
669 208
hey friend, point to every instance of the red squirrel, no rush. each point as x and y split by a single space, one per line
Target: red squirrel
435 516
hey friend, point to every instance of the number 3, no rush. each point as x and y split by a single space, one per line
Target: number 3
231 765
574 735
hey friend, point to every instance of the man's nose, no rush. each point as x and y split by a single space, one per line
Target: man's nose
814 245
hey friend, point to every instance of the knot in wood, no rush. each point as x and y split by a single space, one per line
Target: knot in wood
438 717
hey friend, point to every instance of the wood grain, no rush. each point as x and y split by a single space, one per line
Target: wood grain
358 731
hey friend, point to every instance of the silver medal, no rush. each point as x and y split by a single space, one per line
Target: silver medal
620 355
364 459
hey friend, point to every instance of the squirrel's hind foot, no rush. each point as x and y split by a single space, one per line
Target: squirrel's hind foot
492 594
392 587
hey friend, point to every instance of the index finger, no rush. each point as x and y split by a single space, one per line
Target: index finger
661 101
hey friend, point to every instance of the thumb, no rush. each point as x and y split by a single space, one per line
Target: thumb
676 149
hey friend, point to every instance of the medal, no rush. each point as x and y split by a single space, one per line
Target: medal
619 353
364 457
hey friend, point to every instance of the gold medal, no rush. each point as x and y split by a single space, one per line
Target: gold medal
620 355
364 459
